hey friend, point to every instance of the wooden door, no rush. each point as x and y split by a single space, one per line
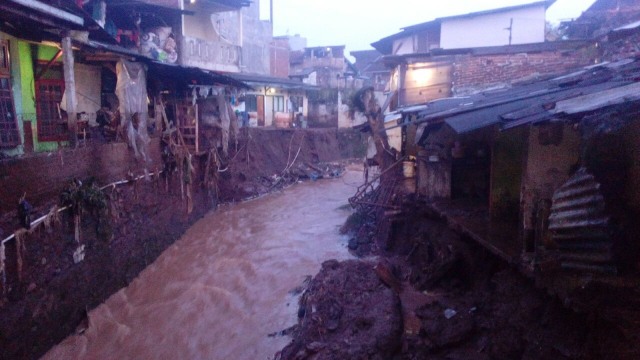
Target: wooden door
260 105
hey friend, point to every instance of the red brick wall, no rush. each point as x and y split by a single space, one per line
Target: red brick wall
471 73
43 176
280 58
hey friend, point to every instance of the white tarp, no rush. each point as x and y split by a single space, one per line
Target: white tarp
131 90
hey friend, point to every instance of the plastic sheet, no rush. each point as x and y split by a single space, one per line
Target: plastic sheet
3 274
225 122
159 44
131 90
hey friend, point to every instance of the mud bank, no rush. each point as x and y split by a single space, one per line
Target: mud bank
454 301
47 295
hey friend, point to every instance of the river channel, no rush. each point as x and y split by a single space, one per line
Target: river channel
226 284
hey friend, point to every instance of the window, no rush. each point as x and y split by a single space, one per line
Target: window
297 103
251 103
9 134
5 69
278 103
51 125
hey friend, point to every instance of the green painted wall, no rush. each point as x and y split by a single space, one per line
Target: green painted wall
25 58
23 87
26 80
47 53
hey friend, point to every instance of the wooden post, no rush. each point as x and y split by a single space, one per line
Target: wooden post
70 89
76 228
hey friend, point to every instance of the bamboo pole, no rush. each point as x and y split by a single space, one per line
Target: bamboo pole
70 89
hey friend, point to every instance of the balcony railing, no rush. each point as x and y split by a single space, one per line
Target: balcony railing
212 55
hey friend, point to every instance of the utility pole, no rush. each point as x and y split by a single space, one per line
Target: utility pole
271 12
510 28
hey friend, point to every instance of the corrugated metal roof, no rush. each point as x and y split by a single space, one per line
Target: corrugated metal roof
265 80
192 75
630 26
583 91
392 117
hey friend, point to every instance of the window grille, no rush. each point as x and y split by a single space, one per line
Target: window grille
9 134
51 123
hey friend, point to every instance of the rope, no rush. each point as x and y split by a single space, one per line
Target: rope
44 217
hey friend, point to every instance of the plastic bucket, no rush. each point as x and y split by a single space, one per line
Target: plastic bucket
408 169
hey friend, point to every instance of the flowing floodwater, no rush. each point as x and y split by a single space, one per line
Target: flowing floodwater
225 285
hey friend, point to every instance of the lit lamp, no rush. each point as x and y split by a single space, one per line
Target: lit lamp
422 76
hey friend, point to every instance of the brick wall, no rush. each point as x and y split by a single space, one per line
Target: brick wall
472 72
280 58
43 176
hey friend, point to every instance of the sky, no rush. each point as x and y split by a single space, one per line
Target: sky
358 23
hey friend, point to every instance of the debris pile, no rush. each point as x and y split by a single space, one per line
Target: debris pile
338 319
453 300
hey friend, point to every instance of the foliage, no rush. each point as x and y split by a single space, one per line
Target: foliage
88 196
554 32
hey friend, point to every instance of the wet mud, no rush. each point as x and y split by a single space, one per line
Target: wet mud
454 301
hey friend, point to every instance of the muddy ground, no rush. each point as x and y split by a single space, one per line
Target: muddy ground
49 298
429 293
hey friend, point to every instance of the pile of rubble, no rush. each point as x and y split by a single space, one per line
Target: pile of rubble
433 294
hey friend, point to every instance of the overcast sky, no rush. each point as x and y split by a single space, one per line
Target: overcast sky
358 23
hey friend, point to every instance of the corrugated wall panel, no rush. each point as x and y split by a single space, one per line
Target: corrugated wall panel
580 226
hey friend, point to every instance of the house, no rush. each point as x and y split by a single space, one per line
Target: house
371 70
33 79
226 36
327 68
514 25
182 54
274 101
463 54
322 66
54 47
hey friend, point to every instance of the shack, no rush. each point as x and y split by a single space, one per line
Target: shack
543 170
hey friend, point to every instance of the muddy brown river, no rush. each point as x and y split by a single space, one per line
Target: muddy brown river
226 284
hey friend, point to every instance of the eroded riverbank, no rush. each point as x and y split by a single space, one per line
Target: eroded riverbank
225 285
